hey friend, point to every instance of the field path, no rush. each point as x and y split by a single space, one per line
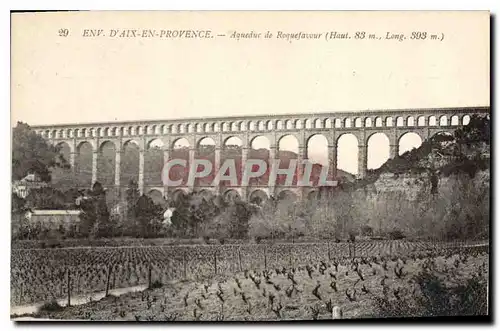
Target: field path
77 300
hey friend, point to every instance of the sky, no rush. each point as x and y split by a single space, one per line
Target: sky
81 79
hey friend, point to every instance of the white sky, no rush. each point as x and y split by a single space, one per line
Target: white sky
73 79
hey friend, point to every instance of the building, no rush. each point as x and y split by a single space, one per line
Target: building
24 186
54 219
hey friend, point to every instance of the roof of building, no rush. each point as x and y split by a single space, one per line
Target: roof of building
31 177
47 212
30 180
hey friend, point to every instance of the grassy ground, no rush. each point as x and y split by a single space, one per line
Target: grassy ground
306 292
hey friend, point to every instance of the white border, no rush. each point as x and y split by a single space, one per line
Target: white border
491 5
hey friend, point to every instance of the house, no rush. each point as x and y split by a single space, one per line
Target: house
31 181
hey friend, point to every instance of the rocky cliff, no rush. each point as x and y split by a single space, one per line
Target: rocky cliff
438 165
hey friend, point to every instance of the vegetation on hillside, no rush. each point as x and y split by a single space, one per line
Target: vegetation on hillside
465 151
32 154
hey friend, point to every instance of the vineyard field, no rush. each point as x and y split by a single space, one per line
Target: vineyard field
308 290
40 275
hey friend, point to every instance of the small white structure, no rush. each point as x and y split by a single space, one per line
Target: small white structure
336 313
167 215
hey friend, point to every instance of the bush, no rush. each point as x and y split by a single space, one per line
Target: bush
51 306
436 299
156 284
54 244
366 230
352 237
396 235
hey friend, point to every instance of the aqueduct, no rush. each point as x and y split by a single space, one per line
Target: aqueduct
394 124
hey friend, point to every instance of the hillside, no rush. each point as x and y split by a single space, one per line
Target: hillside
466 152
439 189
153 165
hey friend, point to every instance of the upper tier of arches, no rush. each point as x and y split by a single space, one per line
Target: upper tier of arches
316 122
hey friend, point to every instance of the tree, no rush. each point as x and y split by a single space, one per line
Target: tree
88 217
202 210
477 131
31 153
277 219
104 226
180 216
46 198
149 217
239 213
18 210
197 214
132 195
70 197
18 204
95 220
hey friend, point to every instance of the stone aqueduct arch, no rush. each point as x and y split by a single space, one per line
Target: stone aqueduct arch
393 123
